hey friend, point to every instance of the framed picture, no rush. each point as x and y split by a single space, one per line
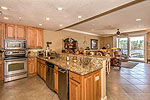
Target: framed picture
94 44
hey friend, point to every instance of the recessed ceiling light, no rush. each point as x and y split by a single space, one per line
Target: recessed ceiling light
60 25
47 18
79 16
138 19
59 8
40 24
6 18
20 18
5 8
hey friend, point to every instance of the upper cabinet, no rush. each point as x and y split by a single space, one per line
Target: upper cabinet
20 32
10 31
39 38
34 37
15 32
31 37
2 30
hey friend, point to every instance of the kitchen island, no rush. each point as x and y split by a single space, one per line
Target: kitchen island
86 75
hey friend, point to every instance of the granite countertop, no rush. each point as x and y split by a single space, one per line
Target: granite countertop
79 68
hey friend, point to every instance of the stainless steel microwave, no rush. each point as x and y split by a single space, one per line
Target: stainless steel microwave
15 44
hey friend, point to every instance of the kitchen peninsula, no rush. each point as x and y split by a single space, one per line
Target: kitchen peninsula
86 76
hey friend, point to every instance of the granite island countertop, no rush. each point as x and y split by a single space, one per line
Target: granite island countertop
77 67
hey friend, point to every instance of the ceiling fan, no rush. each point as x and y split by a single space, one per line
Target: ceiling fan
118 32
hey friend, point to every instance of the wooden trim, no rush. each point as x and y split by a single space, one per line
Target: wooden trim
105 13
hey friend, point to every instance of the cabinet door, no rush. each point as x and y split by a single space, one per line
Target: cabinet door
31 37
88 87
44 72
31 66
97 86
56 79
74 90
2 28
1 71
39 38
20 32
10 31
38 68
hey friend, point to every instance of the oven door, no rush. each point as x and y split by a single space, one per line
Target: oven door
15 66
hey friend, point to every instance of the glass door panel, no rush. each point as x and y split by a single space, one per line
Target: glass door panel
15 67
123 45
137 48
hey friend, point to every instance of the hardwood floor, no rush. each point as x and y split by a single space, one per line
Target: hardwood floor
126 84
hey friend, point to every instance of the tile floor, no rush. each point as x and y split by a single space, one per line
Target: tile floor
126 84
32 88
129 84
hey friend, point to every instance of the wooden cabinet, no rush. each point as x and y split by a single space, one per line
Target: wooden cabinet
32 66
1 70
2 30
97 85
56 78
20 32
86 87
15 32
10 31
39 38
41 68
74 90
34 37
31 37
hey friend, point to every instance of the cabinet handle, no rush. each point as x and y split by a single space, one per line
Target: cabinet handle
72 77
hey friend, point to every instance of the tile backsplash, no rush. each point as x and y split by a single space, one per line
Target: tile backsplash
33 52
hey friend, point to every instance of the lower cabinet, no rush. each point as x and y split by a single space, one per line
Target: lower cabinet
86 87
32 66
1 70
56 78
41 68
74 90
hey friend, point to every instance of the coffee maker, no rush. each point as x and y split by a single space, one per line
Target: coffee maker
48 51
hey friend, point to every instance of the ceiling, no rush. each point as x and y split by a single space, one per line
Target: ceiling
123 19
34 12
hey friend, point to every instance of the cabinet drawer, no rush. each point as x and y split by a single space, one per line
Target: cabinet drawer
74 76
41 61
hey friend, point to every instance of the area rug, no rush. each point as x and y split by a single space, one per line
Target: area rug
129 64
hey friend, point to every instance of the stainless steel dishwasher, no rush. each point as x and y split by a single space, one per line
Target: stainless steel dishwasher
63 87
50 75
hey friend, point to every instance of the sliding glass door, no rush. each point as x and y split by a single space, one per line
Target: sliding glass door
132 46
123 45
137 48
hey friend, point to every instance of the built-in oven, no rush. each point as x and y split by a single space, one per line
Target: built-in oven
15 65
15 68
15 44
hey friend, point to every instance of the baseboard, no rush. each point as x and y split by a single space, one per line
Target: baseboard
105 98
